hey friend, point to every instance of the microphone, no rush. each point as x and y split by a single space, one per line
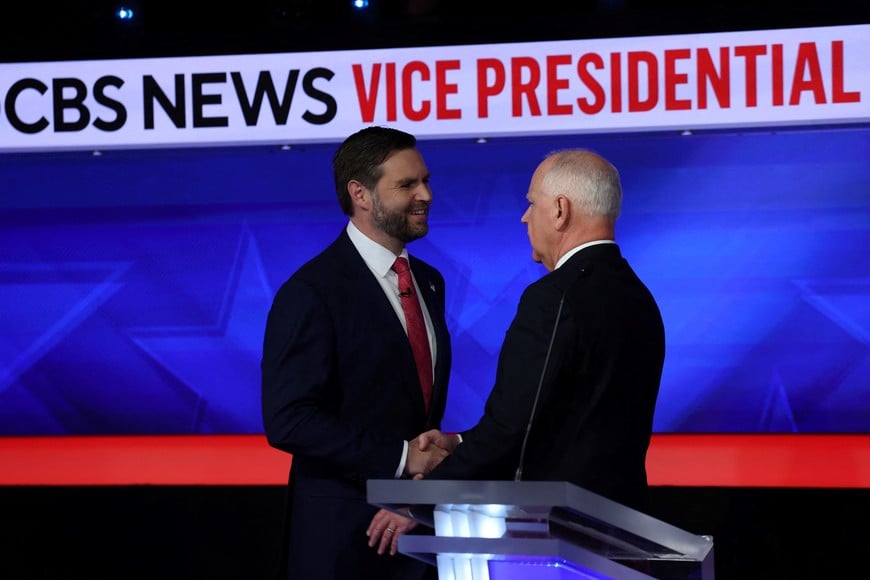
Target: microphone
405 294
519 472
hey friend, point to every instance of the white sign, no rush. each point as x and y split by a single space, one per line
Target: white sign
654 83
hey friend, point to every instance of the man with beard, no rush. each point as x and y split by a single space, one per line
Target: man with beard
341 388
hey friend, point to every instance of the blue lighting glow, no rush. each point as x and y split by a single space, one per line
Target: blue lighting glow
156 268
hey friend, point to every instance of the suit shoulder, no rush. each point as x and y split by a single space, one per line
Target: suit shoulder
318 272
546 289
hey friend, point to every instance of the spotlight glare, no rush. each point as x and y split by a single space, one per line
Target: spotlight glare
360 4
124 13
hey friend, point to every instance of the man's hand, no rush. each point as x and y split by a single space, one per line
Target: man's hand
385 529
436 437
420 461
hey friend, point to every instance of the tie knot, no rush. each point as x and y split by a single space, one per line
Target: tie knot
400 266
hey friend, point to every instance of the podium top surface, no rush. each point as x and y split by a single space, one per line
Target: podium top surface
560 508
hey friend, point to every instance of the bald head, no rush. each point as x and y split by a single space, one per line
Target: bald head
587 179
575 197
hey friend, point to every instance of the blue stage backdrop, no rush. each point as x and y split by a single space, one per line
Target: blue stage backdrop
134 285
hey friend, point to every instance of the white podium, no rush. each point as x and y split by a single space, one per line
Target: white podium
538 530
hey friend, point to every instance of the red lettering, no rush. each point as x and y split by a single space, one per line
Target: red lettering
485 89
777 78
391 91
615 82
676 79
443 88
402 83
807 62
555 84
526 88
840 95
751 54
719 80
673 78
368 99
635 102
408 109
584 104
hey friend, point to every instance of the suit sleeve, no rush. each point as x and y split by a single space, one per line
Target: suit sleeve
300 392
491 449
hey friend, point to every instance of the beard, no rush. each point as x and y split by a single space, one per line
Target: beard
395 223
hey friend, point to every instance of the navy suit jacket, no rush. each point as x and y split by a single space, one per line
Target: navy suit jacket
340 393
593 420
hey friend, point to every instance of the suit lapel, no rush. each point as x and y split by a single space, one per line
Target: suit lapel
360 278
354 268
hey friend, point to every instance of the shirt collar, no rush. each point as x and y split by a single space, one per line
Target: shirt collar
378 258
573 251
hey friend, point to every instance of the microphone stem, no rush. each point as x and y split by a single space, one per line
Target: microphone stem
519 472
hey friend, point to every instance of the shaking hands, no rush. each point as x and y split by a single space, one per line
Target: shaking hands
427 450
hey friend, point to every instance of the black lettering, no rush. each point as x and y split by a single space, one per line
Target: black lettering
151 92
74 103
280 107
12 114
317 94
101 98
201 99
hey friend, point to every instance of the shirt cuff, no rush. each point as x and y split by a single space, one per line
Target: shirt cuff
401 469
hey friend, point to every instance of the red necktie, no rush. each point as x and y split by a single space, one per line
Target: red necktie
416 327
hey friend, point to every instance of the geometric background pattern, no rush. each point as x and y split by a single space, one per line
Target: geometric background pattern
135 284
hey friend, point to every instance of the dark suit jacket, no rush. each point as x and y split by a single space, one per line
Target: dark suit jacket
594 418
340 392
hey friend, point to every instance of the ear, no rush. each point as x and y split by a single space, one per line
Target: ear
561 212
358 193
